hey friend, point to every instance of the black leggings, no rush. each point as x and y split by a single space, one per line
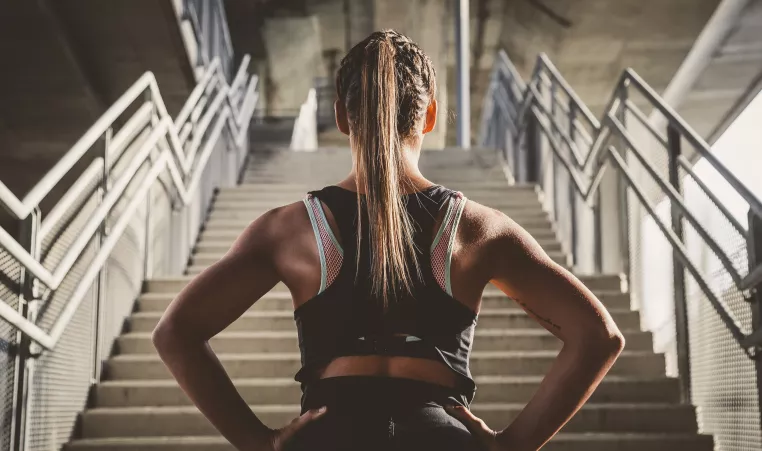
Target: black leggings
381 414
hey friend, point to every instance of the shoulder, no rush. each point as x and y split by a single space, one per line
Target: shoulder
494 236
482 224
276 226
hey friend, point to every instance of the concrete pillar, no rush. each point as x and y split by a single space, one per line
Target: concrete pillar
295 60
361 20
424 21
612 216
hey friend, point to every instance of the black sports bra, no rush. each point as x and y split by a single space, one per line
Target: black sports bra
345 318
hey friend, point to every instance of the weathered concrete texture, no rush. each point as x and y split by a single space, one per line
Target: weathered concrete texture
295 59
424 21
361 20
119 40
605 37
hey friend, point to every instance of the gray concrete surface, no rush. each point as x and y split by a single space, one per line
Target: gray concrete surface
294 58
604 38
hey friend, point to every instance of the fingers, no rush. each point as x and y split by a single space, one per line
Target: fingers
306 417
288 431
474 424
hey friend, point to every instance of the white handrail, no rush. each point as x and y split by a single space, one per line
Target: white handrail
182 167
304 136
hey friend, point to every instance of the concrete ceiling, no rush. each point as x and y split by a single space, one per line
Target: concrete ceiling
603 38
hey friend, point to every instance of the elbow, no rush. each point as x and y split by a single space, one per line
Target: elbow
615 343
610 344
605 346
165 337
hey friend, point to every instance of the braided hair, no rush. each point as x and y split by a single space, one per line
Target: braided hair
386 84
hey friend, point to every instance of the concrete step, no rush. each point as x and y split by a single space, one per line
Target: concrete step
469 187
261 341
267 189
343 165
594 441
211 247
602 283
204 259
540 230
261 205
328 177
507 318
160 393
283 365
544 237
239 220
281 300
477 194
187 420
250 214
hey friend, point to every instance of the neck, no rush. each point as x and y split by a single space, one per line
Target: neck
411 179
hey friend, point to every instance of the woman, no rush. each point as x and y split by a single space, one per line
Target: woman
386 271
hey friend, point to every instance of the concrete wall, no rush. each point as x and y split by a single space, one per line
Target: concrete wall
295 59
424 21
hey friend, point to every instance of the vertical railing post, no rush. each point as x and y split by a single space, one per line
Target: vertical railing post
754 249
624 206
572 189
24 359
681 308
551 163
100 286
528 167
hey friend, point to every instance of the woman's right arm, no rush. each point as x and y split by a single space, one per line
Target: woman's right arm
557 300
211 302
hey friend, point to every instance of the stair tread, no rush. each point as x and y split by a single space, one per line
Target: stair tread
297 356
571 436
262 408
289 381
284 294
293 333
506 311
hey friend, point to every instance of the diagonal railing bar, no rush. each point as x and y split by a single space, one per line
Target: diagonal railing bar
674 197
585 160
231 108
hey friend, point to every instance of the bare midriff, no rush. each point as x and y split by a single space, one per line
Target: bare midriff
403 367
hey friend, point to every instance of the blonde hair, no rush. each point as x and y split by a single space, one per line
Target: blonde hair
386 83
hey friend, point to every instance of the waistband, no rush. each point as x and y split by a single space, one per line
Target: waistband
382 392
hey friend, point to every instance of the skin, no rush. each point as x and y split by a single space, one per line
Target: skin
489 248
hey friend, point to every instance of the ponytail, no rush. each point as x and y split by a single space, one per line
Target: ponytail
380 163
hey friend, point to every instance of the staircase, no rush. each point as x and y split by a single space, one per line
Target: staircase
139 407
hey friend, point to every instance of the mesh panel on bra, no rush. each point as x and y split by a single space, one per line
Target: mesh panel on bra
333 255
440 254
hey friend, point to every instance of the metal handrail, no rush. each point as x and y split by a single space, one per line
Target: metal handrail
185 163
586 171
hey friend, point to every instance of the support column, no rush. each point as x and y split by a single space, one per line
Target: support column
611 249
425 22
463 71
360 17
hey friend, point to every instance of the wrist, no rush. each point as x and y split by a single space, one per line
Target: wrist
511 441
260 439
